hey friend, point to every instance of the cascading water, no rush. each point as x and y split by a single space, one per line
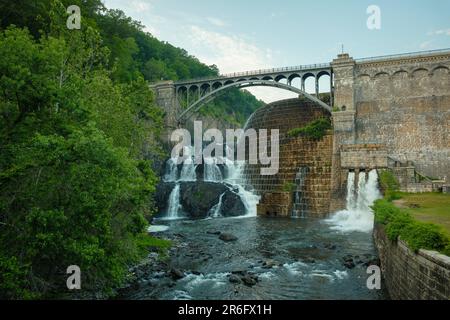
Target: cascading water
188 170
212 171
174 206
235 178
358 216
171 171
300 203
232 177
216 210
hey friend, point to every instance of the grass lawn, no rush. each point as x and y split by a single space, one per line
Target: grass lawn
427 207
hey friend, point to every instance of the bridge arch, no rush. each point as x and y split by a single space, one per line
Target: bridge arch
245 84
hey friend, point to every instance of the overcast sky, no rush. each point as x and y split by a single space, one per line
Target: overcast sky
241 35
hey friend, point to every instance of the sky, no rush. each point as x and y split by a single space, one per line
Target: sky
243 35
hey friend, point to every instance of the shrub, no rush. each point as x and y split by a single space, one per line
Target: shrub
314 130
389 185
418 235
384 211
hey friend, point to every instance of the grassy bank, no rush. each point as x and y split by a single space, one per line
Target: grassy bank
427 207
421 220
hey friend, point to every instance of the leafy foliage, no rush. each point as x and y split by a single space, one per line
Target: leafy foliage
389 185
315 130
74 180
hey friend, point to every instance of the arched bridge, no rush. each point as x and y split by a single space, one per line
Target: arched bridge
193 94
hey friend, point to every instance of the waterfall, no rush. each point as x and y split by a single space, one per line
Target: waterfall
235 177
215 211
232 176
358 216
171 174
300 203
174 206
188 170
212 171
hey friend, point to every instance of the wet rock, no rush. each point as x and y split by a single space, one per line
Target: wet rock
176 274
232 205
162 194
330 246
269 264
309 260
348 257
227 237
249 280
197 198
234 279
372 262
349 264
239 272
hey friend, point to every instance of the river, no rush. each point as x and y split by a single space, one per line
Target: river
263 258
304 260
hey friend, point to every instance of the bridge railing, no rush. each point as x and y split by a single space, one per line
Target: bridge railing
310 66
259 72
403 55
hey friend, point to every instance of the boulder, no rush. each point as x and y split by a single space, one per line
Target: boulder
249 280
227 237
176 274
197 198
234 279
268 264
162 194
232 205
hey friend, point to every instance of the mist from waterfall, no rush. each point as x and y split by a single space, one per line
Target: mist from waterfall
358 215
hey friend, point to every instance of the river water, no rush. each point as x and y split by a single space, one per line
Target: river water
303 258
307 254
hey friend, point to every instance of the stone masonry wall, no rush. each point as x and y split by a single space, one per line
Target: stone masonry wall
411 276
295 152
405 104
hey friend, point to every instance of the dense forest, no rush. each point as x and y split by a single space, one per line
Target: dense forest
79 136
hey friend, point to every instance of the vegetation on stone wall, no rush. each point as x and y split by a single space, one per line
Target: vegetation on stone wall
316 129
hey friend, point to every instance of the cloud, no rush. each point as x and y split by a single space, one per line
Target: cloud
216 22
140 6
141 10
230 53
426 44
233 53
439 32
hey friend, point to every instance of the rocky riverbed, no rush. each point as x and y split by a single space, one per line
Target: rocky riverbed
256 258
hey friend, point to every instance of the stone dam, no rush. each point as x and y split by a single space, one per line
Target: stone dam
388 112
